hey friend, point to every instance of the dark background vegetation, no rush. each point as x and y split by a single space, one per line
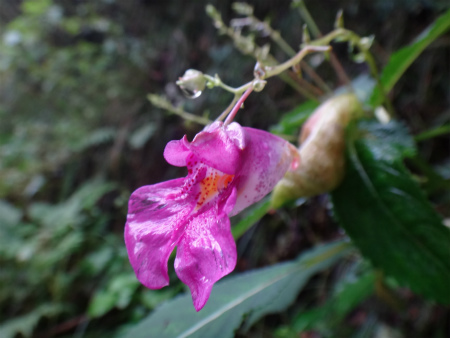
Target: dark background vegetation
77 136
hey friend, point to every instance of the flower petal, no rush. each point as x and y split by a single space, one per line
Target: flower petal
156 218
206 253
220 147
176 152
267 158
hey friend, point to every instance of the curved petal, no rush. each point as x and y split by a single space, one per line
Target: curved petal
205 254
267 158
219 148
176 152
156 218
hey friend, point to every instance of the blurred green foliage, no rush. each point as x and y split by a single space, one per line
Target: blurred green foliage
64 76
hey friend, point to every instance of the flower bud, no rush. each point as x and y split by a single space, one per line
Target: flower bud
322 147
242 8
192 83
339 22
306 38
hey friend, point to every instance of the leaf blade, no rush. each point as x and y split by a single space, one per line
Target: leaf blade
390 220
236 296
404 57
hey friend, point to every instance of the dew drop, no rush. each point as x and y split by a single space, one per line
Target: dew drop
259 71
191 94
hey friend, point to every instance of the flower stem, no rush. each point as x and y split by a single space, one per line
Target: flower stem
230 106
238 106
288 50
269 71
373 69
315 77
272 71
161 102
304 13
441 130
316 33
351 37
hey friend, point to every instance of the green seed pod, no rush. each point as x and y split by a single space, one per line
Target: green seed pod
322 146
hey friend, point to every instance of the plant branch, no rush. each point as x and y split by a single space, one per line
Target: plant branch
316 33
161 102
272 71
354 39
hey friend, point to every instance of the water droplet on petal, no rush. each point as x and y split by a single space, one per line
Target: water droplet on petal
259 71
191 94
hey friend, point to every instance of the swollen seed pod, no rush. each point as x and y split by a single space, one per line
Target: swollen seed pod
322 146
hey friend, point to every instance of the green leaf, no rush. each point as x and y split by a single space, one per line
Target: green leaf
36 7
389 218
102 303
9 215
251 294
338 306
438 131
293 120
118 294
139 137
69 212
251 216
152 298
404 57
25 324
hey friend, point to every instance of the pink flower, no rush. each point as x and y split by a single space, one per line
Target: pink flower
229 168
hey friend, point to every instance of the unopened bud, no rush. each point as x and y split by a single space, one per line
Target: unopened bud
192 82
366 42
322 151
306 37
339 22
258 85
213 12
259 71
242 8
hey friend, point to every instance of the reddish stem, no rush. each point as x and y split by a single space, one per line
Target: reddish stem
237 106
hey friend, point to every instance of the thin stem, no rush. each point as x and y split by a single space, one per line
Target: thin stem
275 70
373 69
326 39
230 106
272 71
355 39
277 38
316 78
313 89
247 47
238 106
316 33
340 71
295 85
438 131
304 13
161 102
218 83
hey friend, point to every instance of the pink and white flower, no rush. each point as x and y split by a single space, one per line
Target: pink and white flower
229 168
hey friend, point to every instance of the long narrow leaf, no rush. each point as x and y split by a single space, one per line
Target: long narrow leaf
252 215
254 294
404 57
